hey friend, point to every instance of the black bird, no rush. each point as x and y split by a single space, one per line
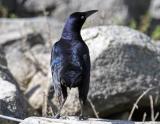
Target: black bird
70 61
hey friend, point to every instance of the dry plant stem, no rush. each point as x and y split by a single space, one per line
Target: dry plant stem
137 101
152 108
153 118
93 108
156 99
144 117
10 118
156 116
44 106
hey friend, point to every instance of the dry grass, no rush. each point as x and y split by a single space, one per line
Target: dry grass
153 102
135 106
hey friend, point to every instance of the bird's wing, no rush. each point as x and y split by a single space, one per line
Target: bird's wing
52 54
55 59
84 87
86 62
84 53
55 62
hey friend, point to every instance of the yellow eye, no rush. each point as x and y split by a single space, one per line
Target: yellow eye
82 17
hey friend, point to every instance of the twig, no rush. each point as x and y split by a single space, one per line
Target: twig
144 117
11 118
137 101
93 108
152 108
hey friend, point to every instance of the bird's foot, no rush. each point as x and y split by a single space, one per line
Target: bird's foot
81 117
65 117
57 116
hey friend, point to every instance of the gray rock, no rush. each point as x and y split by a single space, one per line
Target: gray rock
124 63
39 83
12 102
26 43
21 67
157 43
154 9
22 28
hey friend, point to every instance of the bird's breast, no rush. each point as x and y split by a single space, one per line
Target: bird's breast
71 75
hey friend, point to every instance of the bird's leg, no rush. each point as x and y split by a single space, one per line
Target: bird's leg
81 117
61 99
50 96
82 99
50 93
61 103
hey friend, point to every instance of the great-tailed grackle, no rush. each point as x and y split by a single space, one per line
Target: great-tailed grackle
70 61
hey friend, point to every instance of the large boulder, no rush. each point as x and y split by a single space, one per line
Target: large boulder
12 102
125 62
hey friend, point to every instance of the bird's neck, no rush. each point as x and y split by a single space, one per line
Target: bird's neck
71 32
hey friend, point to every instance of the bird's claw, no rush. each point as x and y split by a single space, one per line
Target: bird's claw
81 117
57 116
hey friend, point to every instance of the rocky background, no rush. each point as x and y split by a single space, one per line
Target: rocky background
123 39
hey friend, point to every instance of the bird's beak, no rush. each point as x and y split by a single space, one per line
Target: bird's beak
88 13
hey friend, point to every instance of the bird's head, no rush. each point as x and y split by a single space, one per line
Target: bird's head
76 20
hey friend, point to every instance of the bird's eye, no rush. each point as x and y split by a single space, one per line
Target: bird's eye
82 17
